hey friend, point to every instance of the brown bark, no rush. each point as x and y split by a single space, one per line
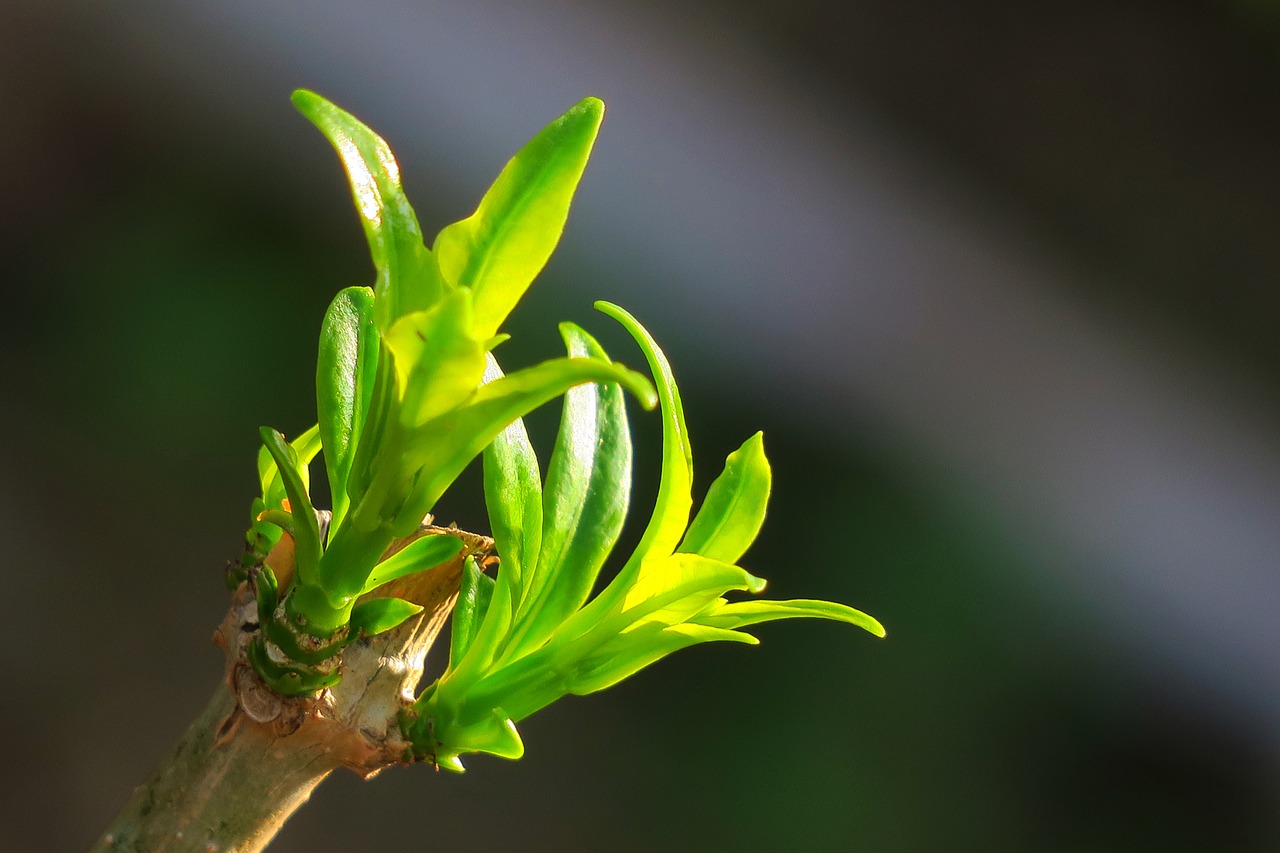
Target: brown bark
253 757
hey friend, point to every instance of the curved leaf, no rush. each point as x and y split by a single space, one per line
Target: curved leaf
420 555
381 614
444 447
671 510
306 530
513 498
407 278
474 595
501 248
346 366
730 517
588 489
736 614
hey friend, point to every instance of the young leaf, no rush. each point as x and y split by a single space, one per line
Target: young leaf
419 555
306 530
443 447
731 515
629 653
671 510
345 369
473 603
513 497
737 614
407 278
306 446
588 489
439 362
381 614
501 248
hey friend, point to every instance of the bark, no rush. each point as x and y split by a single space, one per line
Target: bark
253 757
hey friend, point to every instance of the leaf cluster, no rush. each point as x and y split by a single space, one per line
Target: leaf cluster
531 635
401 402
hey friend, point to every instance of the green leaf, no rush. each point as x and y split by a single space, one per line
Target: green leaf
513 497
266 590
629 653
442 448
407 277
588 489
306 446
674 588
737 614
501 248
439 361
306 529
420 555
731 515
671 510
345 369
468 614
381 614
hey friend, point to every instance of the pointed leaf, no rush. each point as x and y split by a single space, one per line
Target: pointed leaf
306 445
407 278
730 517
381 614
444 447
502 247
632 652
671 510
513 497
737 614
345 370
439 362
420 555
306 530
468 614
588 489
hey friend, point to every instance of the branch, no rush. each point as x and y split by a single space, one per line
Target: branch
253 757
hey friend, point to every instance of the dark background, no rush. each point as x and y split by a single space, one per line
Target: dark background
998 280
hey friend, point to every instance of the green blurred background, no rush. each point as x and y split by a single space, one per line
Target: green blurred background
997 280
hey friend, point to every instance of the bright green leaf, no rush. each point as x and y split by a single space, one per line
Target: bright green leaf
474 596
444 447
501 248
345 369
629 653
420 555
588 488
306 529
736 614
407 277
513 497
381 614
730 517
671 510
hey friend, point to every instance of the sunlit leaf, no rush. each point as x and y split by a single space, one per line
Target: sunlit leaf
513 497
442 448
629 653
588 488
499 249
381 614
474 595
730 517
671 510
737 614
407 277
345 370
306 530
420 555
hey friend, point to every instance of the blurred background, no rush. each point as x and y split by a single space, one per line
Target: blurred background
998 281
